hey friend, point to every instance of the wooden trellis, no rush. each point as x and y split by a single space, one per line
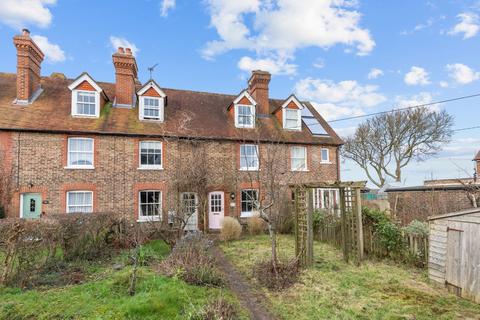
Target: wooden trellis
351 219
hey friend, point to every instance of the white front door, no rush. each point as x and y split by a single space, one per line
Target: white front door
215 209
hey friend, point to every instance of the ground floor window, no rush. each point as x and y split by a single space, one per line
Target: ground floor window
150 204
79 201
327 199
249 202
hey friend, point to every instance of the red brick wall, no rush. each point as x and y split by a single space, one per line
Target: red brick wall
419 205
40 163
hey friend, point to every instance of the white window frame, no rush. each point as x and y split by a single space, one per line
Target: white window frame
298 127
68 205
252 115
74 104
292 158
246 214
247 168
161 108
150 218
328 155
149 166
86 166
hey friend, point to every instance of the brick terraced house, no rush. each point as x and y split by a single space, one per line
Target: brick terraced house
86 146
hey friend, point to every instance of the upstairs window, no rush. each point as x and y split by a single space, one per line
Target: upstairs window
249 157
325 155
85 97
299 159
151 108
151 154
244 116
292 119
80 153
86 103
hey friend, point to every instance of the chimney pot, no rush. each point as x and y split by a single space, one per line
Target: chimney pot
128 51
121 50
25 32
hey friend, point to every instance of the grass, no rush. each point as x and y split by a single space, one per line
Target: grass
332 289
104 294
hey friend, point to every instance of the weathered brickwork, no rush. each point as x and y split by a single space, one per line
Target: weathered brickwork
407 206
39 165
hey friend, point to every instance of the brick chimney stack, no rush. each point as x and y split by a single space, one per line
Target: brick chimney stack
258 88
125 77
29 60
477 166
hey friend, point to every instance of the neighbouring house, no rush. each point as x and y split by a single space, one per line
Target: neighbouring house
435 197
454 252
80 145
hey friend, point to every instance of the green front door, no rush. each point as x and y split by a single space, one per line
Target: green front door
31 205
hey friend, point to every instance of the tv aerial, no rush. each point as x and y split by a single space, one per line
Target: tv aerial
151 69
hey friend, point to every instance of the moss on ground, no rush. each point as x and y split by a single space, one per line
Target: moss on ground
333 289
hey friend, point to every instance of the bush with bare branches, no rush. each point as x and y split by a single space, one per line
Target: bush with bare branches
256 226
277 276
231 229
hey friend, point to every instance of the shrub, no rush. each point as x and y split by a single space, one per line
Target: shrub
284 275
374 216
256 226
417 228
217 309
231 229
191 262
391 238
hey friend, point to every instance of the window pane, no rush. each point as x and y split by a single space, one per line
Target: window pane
80 151
150 203
86 102
150 153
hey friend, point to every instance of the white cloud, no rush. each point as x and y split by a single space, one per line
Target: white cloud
280 27
339 99
416 76
52 51
419 27
319 63
462 74
443 84
165 6
274 66
416 100
375 73
116 42
21 13
468 25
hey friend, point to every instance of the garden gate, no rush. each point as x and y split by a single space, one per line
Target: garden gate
351 219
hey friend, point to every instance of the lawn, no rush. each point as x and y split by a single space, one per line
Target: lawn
332 289
103 294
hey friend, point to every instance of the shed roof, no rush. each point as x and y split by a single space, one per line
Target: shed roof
455 214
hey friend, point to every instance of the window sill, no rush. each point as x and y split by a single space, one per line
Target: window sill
85 116
79 167
302 170
150 168
246 214
152 120
151 219
326 162
252 169
245 127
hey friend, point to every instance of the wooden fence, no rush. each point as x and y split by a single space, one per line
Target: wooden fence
415 247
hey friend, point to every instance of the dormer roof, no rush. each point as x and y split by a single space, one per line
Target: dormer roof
85 77
151 85
242 98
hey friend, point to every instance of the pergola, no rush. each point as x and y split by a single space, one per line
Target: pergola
350 214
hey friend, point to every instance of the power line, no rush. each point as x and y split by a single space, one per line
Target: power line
402 109
465 129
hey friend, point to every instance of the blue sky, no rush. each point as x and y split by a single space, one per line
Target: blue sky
347 57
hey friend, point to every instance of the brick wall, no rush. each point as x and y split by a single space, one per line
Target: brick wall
410 205
39 161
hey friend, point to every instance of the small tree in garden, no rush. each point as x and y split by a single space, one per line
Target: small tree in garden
6 184
383 145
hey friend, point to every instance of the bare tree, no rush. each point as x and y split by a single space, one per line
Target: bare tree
385 144
6 183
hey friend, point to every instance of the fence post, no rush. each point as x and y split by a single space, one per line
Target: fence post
358 210
343 213
309 227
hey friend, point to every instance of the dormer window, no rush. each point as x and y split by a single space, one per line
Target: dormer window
293 119
85 97
244 116
151 108
292 114
152 102
244 109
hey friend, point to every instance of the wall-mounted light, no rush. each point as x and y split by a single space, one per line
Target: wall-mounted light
232 195
30 184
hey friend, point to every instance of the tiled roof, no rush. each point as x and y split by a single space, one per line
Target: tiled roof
188 114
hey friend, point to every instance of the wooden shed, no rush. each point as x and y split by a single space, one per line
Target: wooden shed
454 252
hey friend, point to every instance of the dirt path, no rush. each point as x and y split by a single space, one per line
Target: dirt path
249 298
